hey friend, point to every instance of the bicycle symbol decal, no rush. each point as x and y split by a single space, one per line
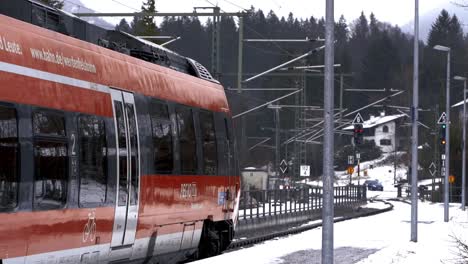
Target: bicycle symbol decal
89 231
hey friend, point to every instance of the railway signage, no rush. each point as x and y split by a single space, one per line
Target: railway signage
350 160
350 170
358 119
305 170
442 119
432 169
283 166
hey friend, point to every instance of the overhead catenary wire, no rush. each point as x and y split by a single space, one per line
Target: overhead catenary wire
122 4
254 31
236 5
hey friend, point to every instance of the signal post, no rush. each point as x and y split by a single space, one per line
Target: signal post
358 139
444 171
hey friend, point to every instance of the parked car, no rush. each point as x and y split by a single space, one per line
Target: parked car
373 185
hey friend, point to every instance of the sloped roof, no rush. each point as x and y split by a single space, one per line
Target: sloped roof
376 121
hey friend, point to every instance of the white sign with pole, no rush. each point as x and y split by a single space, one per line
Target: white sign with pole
305 170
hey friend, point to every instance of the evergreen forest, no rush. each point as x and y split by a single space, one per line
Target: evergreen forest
372 54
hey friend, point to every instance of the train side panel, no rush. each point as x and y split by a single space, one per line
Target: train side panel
45 71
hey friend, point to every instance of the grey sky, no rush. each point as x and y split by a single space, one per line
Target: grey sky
395 11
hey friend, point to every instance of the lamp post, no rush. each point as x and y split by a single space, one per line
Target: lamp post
460 78
414 128
447 133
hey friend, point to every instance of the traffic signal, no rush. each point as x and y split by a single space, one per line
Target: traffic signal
442 135
358 134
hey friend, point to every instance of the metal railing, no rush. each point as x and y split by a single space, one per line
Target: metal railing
266 203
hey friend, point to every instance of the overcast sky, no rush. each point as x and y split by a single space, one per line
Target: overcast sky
394 11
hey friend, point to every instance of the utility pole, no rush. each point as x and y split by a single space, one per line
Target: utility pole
341 96
240 57
216 44
277 108
460 78
414 121
328 144
436 150
447 133
277 140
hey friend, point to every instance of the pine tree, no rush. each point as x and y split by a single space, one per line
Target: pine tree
53 3
123 26
438 35
373 25
145 26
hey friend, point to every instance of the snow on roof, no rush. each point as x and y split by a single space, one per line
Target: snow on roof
376 121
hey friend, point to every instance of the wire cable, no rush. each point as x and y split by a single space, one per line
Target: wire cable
122 4
236 5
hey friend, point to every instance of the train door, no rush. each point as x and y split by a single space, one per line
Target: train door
231 169
128 169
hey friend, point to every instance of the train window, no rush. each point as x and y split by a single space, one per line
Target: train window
93 159
48 124
187 140
50 160
161 127
51 170
209 143
9 175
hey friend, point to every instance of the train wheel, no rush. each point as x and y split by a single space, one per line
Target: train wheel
210 244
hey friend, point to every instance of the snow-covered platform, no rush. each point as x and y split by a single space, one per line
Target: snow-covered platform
383 238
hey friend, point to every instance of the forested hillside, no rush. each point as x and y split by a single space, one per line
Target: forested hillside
372 54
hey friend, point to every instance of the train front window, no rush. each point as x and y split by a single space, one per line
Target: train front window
161 128
50 160
9 175
93 160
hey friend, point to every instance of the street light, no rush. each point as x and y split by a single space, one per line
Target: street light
447 132
460 78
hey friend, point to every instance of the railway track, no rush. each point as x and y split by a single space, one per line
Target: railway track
257 239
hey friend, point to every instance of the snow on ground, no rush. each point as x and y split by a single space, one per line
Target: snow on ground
374 170
381 239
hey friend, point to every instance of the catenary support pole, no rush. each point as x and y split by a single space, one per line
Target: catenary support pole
341 97
464 148
414 123
328 150
240 57
277 139
447 145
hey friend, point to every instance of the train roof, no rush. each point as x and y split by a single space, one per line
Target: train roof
36 13
55 62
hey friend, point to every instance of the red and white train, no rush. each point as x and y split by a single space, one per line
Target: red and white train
107 158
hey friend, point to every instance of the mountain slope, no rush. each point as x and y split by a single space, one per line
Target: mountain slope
76 6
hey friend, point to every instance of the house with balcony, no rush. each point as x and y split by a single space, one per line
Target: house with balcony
382 129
